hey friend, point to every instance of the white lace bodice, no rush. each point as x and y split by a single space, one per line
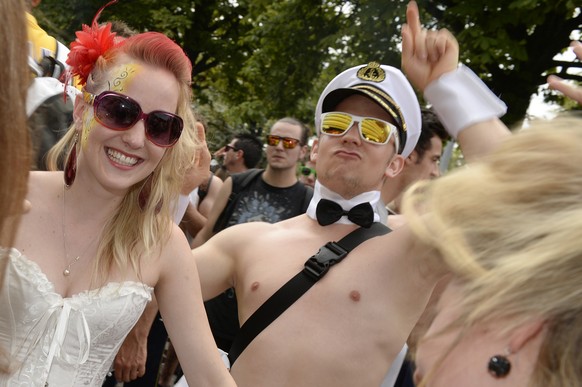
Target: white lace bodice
61 342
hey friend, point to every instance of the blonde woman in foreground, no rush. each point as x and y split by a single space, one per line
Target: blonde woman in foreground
99 239
510 229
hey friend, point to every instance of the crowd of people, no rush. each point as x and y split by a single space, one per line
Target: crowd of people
129 247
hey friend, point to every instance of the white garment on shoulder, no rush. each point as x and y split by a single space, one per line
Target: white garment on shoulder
181 206
62 342
183 202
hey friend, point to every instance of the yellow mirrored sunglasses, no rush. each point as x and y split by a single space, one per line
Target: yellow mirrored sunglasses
372 130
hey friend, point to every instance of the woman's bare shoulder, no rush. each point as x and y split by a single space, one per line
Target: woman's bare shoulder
42 183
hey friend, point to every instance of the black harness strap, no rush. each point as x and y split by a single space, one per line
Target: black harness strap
315 268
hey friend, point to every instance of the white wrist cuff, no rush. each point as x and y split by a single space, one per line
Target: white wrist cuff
460 99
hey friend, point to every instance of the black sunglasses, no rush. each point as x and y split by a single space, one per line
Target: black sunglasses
120 112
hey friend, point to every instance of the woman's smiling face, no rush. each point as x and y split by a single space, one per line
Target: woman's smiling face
119 159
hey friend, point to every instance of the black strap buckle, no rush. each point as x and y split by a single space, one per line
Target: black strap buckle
327 256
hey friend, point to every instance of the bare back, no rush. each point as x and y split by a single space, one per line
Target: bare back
347 329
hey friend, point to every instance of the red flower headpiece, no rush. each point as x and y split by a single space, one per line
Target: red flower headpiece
91 43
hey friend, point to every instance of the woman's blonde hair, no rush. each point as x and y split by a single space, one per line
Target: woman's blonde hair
510 229
133 231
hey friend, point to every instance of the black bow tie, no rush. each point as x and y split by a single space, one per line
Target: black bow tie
329 212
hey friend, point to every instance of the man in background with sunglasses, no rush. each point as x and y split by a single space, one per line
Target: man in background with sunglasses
352 324
242 153
272 195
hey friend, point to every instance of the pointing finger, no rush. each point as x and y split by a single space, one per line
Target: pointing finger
413 18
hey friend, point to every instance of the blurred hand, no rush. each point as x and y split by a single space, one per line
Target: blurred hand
199 171
130 361
219 153
569 90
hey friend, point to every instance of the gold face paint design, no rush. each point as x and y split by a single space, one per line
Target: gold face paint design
122 76
88 121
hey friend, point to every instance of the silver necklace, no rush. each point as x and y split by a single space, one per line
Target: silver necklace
67 269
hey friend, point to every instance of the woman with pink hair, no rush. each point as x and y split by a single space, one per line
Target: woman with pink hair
99 241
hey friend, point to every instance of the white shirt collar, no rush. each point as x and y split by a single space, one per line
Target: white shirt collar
321 192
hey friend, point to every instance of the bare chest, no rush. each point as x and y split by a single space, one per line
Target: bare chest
351 323
353 290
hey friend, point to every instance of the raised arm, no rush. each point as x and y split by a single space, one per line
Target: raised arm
212 190
466 107
193 220
199 170
219 204
196 217
557 83
180 302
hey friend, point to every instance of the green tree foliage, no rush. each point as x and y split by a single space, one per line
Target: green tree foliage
510 44
258 60
283 54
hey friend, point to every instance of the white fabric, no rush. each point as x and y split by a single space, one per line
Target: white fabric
321 192
181 207
183 201
383 212
63 342
62 54
394 370
181 382
461 99
43 88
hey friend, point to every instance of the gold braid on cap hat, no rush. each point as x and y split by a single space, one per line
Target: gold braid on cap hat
390 107
372 72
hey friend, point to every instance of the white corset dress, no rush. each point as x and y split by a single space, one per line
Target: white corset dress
61 342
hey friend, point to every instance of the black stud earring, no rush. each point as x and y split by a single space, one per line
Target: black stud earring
499 366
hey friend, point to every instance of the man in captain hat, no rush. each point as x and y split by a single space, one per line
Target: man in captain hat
349 327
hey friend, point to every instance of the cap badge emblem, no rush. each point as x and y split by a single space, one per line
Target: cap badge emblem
372 72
